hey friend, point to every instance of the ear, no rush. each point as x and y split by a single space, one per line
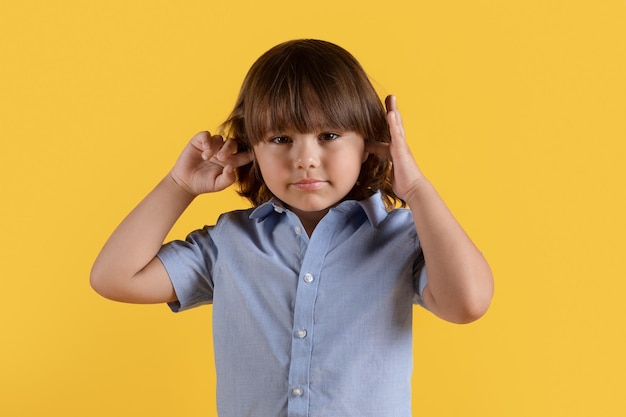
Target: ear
365 156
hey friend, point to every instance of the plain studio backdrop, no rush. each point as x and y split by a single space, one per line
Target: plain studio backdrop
514 109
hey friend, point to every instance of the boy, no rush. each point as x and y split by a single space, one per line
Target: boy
312 288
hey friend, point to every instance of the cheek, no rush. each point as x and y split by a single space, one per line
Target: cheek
270 164
260 157
353 158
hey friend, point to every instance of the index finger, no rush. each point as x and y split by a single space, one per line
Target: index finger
239 159
379 149
228 148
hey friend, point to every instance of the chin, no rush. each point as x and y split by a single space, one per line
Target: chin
310 206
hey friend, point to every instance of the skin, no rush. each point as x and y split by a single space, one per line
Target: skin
310 173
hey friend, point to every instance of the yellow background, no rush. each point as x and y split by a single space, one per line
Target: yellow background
515 110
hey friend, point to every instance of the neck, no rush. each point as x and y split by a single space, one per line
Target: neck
309 219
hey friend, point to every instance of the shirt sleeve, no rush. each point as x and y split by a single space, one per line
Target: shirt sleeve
421 283
420 280
189 266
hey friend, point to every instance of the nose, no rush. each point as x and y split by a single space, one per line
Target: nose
306 153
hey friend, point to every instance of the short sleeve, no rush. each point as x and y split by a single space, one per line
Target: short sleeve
420 280
189 266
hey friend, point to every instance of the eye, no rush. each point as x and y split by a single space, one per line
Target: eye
328 136
280 140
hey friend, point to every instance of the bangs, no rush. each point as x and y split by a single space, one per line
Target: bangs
297 111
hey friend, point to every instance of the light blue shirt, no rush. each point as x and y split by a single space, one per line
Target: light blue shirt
317 326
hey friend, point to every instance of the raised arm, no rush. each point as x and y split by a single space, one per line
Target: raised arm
460 283
127 268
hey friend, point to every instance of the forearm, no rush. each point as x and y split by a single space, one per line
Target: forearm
460 283
136 241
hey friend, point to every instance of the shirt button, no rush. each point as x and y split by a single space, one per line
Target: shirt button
296 392
301 334
298 230
308 278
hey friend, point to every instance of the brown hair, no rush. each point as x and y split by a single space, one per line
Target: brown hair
307 85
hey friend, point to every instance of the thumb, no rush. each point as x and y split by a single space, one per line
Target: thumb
226 178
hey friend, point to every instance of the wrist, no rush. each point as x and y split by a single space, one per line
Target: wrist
417 190
179 187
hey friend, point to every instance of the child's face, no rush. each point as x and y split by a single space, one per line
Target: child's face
310 172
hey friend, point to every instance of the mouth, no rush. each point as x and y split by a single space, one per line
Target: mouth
308 184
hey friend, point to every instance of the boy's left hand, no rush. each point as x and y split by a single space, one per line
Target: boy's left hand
460 283
406 175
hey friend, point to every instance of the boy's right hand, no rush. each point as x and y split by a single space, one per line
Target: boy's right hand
208 163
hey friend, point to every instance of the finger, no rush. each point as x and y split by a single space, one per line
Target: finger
199 139
226 178
396 128
202 142
228 148
239 159
211 146
391 103
378 148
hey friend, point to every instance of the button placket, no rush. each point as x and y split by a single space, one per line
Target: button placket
303 316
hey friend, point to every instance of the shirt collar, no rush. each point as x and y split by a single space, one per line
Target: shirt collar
375 209
373 206
272 206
